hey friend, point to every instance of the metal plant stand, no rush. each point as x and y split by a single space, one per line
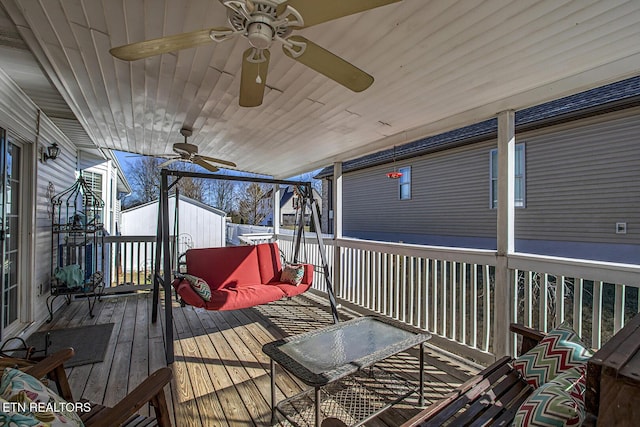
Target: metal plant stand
77 246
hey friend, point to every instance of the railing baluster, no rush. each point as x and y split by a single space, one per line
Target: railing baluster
463 303
559 300
486 315
378 279
618 309
368 280
403 290
544 301
596 332
385 272
528 299
419 300
138 263
577 305
411 279
454 309
436 301
395 295
474 306
445 311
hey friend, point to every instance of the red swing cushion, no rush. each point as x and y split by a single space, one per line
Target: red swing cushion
239 277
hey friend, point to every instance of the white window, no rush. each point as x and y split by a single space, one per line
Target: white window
404 183
519 179
94 182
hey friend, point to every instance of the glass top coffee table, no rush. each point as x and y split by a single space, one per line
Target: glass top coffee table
333 359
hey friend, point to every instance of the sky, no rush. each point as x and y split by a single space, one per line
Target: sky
127 161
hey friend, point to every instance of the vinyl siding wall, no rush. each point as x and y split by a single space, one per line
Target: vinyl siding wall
19 116
581 181
449 196
581 178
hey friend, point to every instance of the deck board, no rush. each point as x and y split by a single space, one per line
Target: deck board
221 376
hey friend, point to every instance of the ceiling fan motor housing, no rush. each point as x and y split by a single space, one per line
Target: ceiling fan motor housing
260 35
261 26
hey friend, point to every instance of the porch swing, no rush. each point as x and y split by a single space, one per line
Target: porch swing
239 276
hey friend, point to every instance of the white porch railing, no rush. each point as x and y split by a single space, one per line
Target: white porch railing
597 298
130 262
450 291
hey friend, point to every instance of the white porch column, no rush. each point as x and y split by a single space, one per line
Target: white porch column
337 226
504 305
276 210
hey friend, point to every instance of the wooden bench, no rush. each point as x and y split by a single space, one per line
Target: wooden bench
491 397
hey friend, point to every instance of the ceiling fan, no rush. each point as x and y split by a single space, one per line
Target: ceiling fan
262 22
186 152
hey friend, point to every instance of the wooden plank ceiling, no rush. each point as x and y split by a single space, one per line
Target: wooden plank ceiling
437 64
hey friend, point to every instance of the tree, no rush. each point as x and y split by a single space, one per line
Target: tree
309 176
253 206
144 176
194 188
222 194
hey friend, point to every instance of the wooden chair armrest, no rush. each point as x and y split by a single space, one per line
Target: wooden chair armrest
530 336
151 390
435 408
53 367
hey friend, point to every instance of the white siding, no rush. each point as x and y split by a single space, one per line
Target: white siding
204 227
19 116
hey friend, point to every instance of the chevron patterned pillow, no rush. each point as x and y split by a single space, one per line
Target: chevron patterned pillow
559 402
200 286
559 351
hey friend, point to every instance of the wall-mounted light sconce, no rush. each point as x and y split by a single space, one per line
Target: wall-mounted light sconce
50 153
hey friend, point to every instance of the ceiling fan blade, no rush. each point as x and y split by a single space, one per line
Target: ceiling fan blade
168 162
255 64
214 160
205 165
316 12
325 62
148 48
161 156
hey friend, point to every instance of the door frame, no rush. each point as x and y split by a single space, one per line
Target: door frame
26 226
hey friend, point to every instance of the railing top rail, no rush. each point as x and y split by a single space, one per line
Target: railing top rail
610 272
127 239
473 256
628 274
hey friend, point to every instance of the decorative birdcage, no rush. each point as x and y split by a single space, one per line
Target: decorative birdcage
77 209
77 245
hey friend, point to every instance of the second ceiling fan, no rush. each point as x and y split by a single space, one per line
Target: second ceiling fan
262 22
186 152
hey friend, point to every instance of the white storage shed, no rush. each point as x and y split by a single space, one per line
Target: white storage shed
199 225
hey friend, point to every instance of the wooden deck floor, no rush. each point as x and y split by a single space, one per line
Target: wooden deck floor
221 376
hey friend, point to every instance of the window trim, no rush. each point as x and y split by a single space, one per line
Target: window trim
404 180
493 198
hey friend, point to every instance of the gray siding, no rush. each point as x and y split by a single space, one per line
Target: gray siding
581 181
581 178
449 196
